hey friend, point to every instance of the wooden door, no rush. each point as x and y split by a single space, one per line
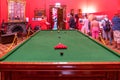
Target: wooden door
61 15
61 24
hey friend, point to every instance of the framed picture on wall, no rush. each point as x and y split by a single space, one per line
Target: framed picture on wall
38 13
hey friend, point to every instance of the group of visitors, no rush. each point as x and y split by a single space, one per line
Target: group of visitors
106 30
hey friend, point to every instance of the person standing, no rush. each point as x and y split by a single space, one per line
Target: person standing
116 30
106 29
85 23
44 24
72 22
95 29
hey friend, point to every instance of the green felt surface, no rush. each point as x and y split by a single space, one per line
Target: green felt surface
40 48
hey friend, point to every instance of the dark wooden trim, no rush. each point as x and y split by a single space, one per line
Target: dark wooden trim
64 70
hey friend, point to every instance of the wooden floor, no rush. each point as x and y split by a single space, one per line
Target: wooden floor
110 46
5 48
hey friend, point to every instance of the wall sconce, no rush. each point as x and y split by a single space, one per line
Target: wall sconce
57 4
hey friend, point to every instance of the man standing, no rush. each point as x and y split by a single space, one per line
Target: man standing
106 29
116 30
72 22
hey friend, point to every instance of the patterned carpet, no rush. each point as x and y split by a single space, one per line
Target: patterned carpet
4 48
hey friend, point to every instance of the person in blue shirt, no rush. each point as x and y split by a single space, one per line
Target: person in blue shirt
116 30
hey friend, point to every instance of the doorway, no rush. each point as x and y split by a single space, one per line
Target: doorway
57 17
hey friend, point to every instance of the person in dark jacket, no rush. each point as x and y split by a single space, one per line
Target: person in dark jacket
72 22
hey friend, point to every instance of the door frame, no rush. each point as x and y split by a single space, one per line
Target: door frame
50 14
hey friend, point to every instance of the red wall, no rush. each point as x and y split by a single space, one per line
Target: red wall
3 10
31 5
108 7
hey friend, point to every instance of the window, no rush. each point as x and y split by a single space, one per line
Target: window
16 10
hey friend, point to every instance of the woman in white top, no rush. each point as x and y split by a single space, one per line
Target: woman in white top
85 27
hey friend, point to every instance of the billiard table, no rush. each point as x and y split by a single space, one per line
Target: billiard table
83 59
